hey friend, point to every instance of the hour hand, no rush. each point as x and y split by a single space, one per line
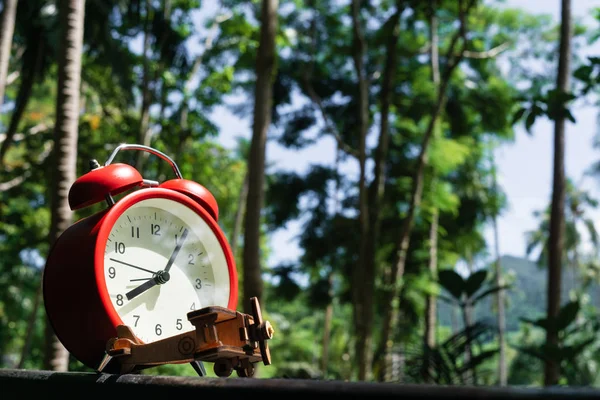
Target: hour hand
158 279
141 289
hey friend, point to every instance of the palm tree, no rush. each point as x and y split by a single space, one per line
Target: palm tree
557 212
71 14
578 224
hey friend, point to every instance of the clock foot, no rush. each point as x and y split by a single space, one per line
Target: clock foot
199 368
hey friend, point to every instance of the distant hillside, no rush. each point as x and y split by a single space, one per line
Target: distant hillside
527 298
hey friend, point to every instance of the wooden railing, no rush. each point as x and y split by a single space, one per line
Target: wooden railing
22 384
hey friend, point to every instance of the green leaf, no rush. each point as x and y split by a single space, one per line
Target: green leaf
475 282
452 282
442 197
478 359
529 121
447 154
571 352
540 322
583 73
552 352
566 315
532 350
591 228
518 115
488 292
594 60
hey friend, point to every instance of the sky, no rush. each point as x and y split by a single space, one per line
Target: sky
524 167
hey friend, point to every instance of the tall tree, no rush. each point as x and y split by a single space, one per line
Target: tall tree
454 55
71 14
144 133
502 367
166 27
36 29
363 300
243 149
557 213
7 29
431 301
263 101
328 317
371 194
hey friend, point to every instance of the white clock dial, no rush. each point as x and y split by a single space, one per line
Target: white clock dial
141 243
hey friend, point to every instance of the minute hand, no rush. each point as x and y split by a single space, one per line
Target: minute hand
176 251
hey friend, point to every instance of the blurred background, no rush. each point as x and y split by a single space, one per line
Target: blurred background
410 187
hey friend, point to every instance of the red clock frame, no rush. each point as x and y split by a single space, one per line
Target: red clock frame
75 296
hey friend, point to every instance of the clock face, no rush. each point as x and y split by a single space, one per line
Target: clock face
162 260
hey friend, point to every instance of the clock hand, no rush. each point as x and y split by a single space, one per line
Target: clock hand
176 251
132 266
141 289
158 279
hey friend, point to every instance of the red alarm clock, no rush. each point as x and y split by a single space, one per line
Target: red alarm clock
145 261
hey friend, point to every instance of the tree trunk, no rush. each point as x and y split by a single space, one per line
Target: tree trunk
185 106
263 101
502 371
164 93
430 306
327 330
33 57
378 184
158 73
30 327
329 309
431 309
239 216
431 300
71 14
362 287
453 320
391 307
467 312
7 29
468 322
326 337
557 217
144 129
187 89
573 266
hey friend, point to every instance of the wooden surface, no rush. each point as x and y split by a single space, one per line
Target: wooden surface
23 383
